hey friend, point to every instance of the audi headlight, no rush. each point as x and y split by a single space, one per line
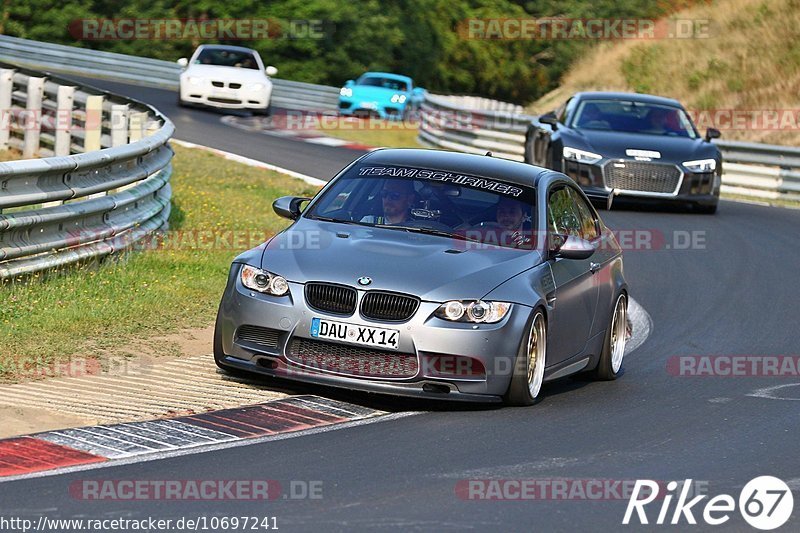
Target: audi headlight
581 156
262 281
398 98
476 311
194 80
347 92
701 165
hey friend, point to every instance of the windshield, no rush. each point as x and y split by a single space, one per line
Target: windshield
387 83
227 58
459 206
633 117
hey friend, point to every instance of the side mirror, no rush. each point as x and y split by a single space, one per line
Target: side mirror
550 119
271 71
712 133
570 247
288 206
418 91
349 83
183 62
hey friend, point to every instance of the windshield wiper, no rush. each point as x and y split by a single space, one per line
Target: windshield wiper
428 231
331 219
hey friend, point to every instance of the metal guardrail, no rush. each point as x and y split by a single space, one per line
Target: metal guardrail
146 71
104 186
448 122
479 125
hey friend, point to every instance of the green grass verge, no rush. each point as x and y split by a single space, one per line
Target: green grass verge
220 208
375 132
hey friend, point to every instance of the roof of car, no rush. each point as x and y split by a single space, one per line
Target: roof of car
227 47
388 75
635 97
470 164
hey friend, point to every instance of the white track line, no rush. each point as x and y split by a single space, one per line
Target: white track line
252 162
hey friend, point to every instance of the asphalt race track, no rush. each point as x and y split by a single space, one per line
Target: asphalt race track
735 292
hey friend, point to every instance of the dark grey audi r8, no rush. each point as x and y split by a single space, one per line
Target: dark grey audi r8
641 146
431 274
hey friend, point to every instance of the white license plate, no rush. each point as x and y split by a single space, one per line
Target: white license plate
366 335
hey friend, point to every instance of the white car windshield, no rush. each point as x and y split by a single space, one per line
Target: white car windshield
221 57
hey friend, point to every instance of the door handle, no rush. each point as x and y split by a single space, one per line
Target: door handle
594 267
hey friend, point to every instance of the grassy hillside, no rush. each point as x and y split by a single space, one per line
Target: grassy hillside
749 63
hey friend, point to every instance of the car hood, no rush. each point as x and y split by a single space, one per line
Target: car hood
246 75
612 144
432 267
370 93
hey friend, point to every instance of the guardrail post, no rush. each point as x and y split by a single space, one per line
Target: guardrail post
64 100
6 86
137 123
94 123
33 118
119 124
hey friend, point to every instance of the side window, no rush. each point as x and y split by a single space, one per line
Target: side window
588 222
562 217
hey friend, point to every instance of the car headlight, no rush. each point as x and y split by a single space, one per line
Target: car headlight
194 80
398 98
262 281
347 92
701 165
257 86
581 156
476 311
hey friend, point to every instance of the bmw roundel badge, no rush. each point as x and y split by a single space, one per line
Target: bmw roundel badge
364 281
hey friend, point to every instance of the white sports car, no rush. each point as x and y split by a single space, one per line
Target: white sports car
229 77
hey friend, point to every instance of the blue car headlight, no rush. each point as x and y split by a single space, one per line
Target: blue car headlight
398 98
347 92
476 311
581 156
263 281
701 165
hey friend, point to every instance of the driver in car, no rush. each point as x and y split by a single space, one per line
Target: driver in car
511 217
397 197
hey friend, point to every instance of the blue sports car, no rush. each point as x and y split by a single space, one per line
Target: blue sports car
379 94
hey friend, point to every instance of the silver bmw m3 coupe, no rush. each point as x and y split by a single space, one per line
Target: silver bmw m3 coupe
431 274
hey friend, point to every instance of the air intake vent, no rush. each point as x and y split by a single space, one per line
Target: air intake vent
257 335
351 360
337 299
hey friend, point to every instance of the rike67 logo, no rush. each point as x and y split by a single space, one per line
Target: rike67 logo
765 503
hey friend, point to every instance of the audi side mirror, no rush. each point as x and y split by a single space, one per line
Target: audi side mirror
712 133
549 119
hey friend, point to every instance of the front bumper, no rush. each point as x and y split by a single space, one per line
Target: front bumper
224 97
439 347
690 187
350 107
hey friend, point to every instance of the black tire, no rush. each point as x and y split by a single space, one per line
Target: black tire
264 112
605 369
705 209
528 156
518 393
